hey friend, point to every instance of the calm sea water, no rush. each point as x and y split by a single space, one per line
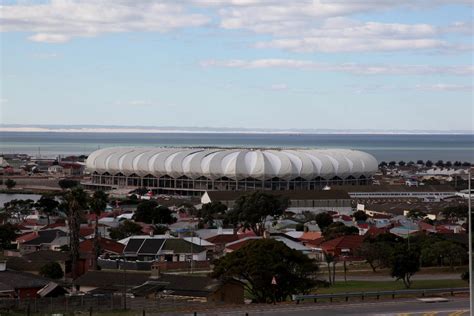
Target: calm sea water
383 147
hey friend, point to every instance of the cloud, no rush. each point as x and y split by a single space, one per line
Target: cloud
279 87
352 68
327 26
349 44
51 55
3 100
60 20
445 87
49 38
298 26
139 103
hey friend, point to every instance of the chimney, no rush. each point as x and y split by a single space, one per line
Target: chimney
3 266
155 270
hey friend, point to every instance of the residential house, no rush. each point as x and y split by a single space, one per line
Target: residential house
163 249
17 284
51 239
32 262
107 247
345 246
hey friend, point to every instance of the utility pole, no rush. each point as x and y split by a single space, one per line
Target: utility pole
469 219
124 294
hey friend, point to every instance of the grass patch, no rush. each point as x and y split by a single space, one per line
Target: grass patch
365 286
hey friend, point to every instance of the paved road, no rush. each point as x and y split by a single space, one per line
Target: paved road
378 277
405 307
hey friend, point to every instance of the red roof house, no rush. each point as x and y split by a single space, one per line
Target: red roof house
343 246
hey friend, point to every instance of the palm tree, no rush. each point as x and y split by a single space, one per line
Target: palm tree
97 205
329 258
75 202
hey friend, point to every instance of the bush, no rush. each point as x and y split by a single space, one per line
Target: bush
52 270
465 276
68 183
10 183
299 227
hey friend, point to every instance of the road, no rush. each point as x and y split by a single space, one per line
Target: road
401 307
378 277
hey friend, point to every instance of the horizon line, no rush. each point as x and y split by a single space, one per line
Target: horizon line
92 128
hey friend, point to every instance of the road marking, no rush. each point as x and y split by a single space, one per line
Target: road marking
458 313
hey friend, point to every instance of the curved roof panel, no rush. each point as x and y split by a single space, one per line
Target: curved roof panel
234 163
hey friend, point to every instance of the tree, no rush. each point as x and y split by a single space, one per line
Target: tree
404 264
455 213
416 214
410 163
330 258
382 164
448 164
211 211
141 191
124 230
442 251
74 202
259 261
323 220
10 184
439 163
97 205
48 205
401 163
250 211
68 183
360 216
151 213
376 253
19 209
7 235
465 276
52 270
429 164
338 229
420 162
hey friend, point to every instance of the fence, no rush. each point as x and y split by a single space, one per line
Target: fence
146 265
88 303
377 294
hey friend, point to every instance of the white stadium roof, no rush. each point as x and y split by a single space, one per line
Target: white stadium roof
236 164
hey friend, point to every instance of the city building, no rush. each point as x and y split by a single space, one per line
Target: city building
192 171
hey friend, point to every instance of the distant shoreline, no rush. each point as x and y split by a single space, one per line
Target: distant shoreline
206 130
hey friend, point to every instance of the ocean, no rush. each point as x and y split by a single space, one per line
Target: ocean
385 147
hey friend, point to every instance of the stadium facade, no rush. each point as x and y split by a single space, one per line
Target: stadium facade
192 171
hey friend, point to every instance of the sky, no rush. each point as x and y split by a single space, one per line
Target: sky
320 64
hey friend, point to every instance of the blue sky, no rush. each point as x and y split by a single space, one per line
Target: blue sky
345 64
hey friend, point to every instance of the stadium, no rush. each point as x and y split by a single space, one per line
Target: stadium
192 171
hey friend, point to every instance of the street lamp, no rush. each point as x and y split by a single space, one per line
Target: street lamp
469 219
